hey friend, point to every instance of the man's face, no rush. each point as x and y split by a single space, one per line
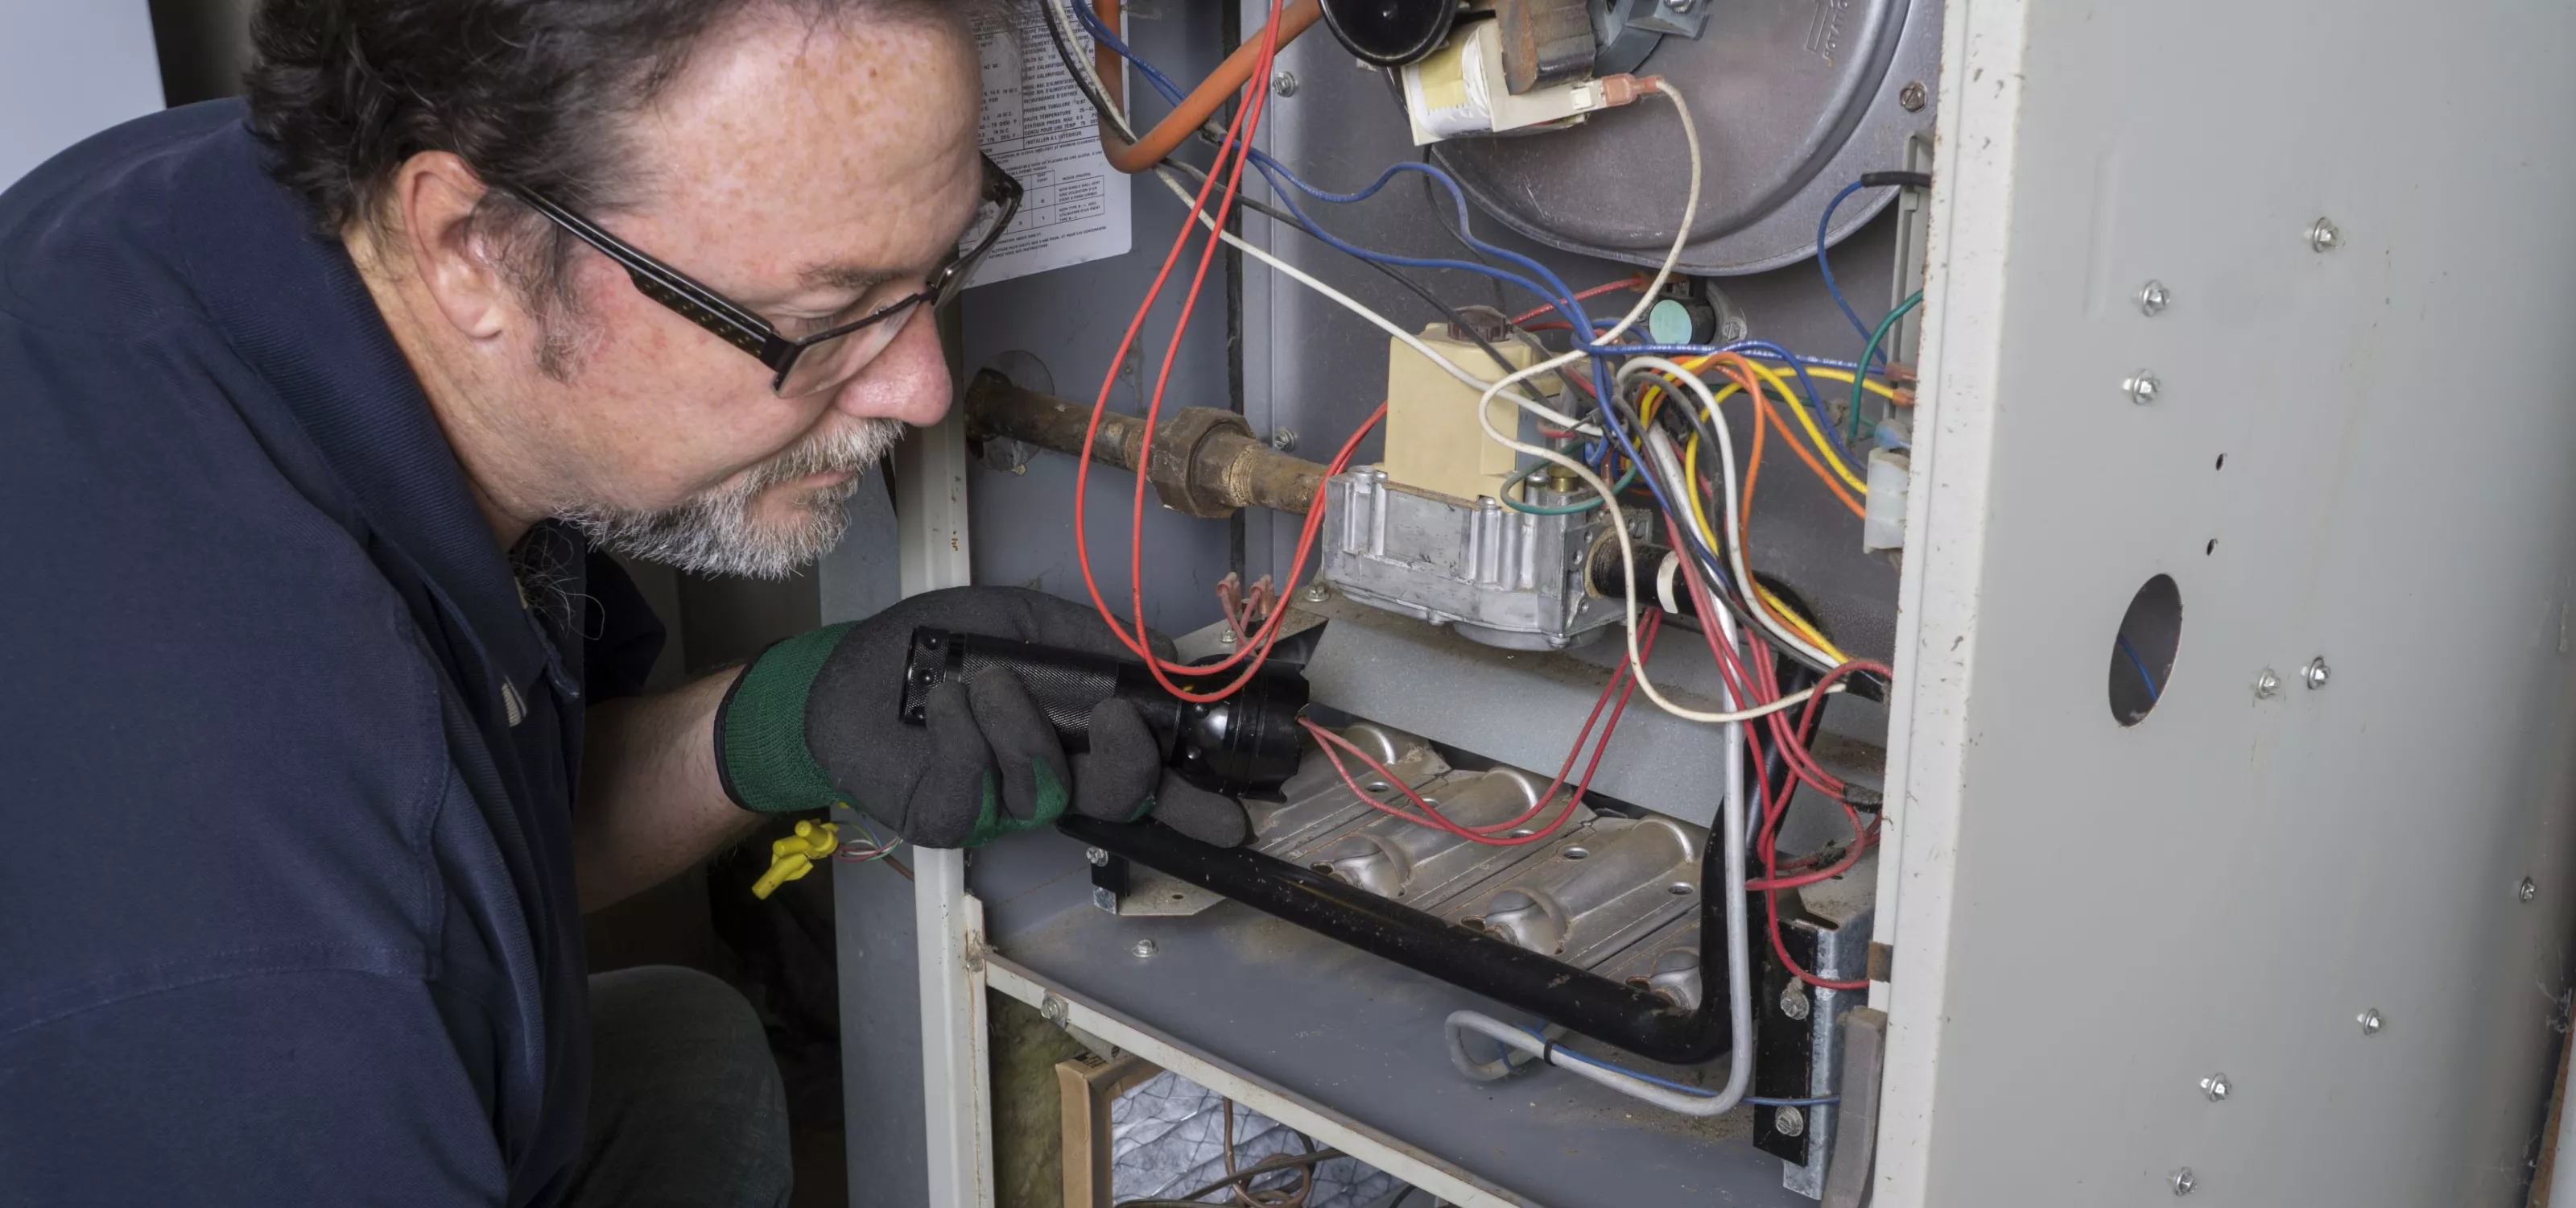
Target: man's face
812 172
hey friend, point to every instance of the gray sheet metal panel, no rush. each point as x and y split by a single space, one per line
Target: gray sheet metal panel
1070 320
1363 1036
2228 884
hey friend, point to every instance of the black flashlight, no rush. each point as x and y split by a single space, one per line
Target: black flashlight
1246 743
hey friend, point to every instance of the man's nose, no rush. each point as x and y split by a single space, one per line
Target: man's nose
908 381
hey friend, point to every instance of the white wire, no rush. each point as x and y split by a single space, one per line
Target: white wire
1734 827
1354 306
1061 17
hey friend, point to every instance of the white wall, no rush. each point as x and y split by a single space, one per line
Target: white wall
69 69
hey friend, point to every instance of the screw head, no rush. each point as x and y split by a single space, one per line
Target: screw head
1283 439
1316 593
2526 891
1788 1121
2153 297
2183 1181
2370 1022
2314 674
1793 1003
1054 1010
2267 685
1097 857
1912 97
1143 948
1225 638
1104 899
1284 84
2142 387
1681 6
2324 236
2216 1086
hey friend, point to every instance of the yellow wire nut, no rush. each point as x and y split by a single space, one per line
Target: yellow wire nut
794 856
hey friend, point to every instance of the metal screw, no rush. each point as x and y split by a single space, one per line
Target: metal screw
1793 1003
1316 593
2315 672
2153 297
1143 948
2183 1181
1226 638
1683 6
2323 236
1911 97
1104 899
1283 439
1054 1010
1098 858
2266 685
2142 387
1788 1121
2370 1022
1284 84
2526 891
2215 1086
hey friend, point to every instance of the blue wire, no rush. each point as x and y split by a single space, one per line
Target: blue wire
1827 266
1100 33
2141 665
1696 1091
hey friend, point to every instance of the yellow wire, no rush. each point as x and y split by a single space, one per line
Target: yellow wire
1806 419
1699 519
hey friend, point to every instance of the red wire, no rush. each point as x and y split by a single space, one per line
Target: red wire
1611 287
1620 683
1246 122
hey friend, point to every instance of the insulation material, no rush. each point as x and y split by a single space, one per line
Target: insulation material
1167 1137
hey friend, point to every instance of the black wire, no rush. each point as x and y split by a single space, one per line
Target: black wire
1283 1161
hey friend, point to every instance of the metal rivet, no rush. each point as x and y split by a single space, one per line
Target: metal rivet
2314 674
1788 1121
1283 439
2183 1181
1097 857
2153 297
2267 685
1316 593
2141 387
1911 97
1284 84
2526 891
1143 948
2324 236
1793 1003
2370 1022
2216 1087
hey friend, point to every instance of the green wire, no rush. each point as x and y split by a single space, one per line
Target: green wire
1535 510
1860 379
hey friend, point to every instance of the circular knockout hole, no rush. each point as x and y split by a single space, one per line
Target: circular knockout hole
2142 652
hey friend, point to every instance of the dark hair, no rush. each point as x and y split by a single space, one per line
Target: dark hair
528 93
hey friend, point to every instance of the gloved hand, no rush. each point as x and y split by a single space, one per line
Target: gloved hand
813 720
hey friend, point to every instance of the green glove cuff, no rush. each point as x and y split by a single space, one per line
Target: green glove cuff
991 823
760 728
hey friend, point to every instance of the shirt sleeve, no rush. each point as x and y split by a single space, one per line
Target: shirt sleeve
310 1087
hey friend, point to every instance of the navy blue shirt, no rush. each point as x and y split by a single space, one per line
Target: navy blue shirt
287 910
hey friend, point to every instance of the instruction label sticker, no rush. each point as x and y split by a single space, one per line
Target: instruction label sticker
1038 126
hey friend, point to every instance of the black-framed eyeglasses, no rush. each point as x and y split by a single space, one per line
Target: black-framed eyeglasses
826 359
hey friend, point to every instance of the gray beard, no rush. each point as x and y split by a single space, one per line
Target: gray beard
715 534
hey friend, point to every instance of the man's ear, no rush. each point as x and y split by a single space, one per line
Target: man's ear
434 196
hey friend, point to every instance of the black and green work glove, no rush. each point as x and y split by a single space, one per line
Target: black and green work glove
814 721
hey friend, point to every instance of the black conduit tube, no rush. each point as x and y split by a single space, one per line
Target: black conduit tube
1639 1021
